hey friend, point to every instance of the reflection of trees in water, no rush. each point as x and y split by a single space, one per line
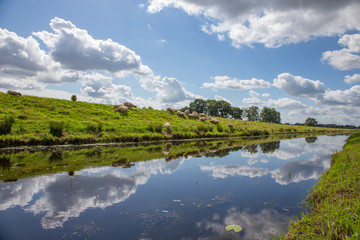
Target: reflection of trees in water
269 147
251 148
56 156
310 139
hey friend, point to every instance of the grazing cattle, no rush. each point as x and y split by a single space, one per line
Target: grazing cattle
122 109
118 105
214 120
14 93
130 105
180 114
167 126
194 115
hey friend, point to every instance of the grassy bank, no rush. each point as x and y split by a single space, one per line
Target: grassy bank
79 122
334 200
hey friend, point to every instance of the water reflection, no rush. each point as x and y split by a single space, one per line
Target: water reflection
184 186
63 197
262 225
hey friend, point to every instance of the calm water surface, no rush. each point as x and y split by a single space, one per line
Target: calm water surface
259 187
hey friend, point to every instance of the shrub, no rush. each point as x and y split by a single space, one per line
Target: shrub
94 128
155 127
220 128
6 125
56 128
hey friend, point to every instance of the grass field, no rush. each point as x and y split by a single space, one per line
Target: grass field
93 123
334 200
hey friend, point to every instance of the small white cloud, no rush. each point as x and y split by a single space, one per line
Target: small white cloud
346 58
141 5
163 41
342 97
352 79
265 95
298 86
219 98
286 103
252 101
225 82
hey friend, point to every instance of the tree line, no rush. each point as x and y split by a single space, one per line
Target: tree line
224 109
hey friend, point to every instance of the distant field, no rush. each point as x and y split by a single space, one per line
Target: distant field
93 123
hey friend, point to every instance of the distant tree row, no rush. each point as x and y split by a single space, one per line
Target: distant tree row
224 109
314 122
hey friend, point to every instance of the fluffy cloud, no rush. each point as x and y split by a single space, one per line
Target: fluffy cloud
169 90
352 79
346 58
75 49
349 97
75 56
298 86
272 23
98 86
286 103
225 171
225 82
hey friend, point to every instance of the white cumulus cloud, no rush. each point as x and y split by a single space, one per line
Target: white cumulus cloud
269 22
298 86
352 79
346 58
225 82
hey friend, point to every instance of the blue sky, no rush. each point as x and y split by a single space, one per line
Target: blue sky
300 57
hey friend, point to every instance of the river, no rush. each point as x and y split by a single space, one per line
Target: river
169 191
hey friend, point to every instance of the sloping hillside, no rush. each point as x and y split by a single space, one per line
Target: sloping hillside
89 123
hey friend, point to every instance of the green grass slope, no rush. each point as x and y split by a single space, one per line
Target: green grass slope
93 123
334 200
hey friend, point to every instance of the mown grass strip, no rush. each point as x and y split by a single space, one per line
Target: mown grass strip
334 200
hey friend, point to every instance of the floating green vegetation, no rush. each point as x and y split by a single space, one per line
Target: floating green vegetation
233 227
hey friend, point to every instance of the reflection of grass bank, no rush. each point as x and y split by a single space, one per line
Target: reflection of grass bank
45 121
23 164
334 200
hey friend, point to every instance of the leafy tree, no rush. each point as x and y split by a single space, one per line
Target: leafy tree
270 115
236 112
211 108
224 108
252 113
311 122
198 105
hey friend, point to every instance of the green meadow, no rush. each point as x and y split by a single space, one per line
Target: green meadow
47 121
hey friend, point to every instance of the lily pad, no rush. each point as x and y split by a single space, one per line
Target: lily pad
234 227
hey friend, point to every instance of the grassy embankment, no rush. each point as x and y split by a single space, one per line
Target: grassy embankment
334 200
95 123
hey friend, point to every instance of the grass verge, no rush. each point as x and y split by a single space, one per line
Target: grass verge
334 200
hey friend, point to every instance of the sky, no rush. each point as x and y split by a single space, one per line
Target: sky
301 57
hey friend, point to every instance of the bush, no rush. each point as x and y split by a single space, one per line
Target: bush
155 127
56 128
220 128
6 125
94 128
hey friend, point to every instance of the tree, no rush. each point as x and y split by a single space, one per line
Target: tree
224 108
211 108
198 105
311 122
270 115
236 112
252 113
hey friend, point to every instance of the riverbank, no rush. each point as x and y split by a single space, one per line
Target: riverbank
334 200
45 121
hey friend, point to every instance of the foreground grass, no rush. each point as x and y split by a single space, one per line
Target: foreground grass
95 123
334 200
